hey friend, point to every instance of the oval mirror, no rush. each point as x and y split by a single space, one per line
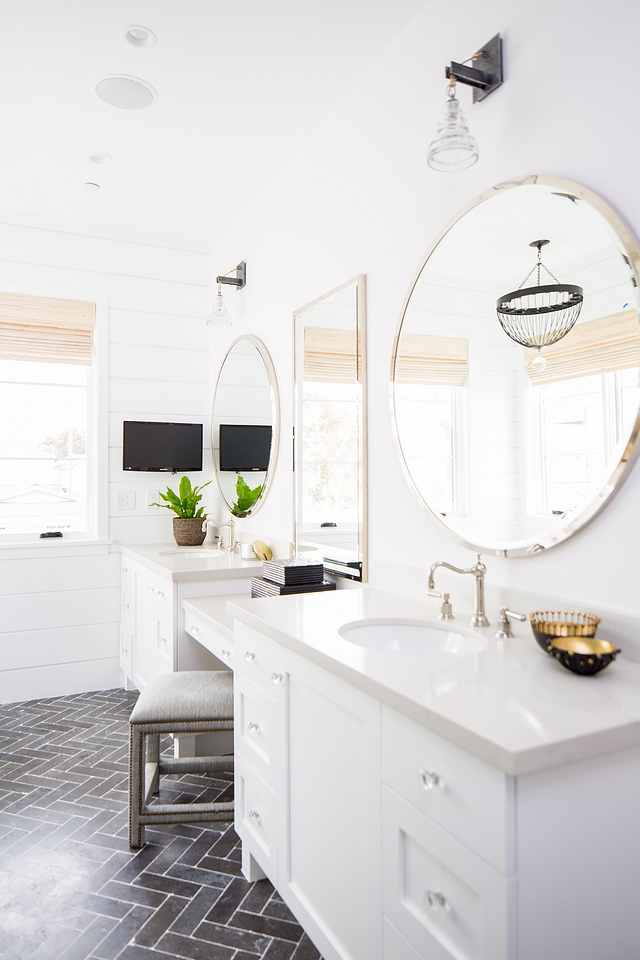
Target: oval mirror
245 426
515 368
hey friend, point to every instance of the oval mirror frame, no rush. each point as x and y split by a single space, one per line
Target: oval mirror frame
616 472
275 421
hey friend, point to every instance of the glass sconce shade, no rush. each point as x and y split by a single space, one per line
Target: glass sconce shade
453 148
219 316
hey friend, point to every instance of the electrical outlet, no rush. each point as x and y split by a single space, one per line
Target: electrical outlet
126 500
152 497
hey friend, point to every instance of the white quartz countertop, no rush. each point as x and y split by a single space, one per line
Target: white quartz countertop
170 561
511 705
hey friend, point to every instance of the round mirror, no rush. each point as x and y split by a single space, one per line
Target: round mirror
515 370
245 426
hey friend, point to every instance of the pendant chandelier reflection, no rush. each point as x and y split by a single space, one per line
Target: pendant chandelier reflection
453 147
538 316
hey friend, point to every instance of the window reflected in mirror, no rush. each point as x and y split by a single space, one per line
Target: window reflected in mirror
329 430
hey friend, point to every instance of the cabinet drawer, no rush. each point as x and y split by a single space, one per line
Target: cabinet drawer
197 629
255 657
256 818
446 901
163 594
255 728
126 649
127 608
164 644
469 798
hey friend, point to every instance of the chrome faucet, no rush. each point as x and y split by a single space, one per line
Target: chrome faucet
478 570
232 546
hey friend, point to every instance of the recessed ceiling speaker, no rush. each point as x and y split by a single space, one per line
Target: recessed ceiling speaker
127 93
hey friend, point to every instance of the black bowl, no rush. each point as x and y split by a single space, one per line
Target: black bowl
549 624
583 655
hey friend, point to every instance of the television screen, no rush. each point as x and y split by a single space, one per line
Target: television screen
161 447
244 446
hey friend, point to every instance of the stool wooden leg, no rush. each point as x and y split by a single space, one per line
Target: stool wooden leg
136 786
153 757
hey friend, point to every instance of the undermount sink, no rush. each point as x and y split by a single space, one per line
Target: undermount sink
192 554
411 638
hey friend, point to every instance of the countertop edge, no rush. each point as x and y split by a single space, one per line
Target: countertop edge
531 760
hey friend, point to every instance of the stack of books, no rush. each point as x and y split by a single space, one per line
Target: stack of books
283 577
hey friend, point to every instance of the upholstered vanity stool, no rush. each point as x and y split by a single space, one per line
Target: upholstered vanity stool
183 702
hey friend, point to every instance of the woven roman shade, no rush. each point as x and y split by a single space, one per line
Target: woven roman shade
597 346
330 355
46 330
427 359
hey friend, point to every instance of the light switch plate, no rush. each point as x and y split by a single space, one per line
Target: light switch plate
125 500
152 497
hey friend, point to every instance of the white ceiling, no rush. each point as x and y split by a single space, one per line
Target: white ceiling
240 83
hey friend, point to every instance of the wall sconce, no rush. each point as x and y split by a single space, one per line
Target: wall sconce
219 316
453 147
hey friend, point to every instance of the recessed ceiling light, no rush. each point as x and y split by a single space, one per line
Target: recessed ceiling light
139 36
91 186
102 158
128 93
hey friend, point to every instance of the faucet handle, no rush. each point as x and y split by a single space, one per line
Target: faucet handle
504 630
446 610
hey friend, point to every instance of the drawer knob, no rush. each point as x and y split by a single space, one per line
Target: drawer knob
149 589
126 606
125 569
253 727
249 656
226 653
254 815
162 639
428 779
125 651
195 629
436 901
161 593
277 678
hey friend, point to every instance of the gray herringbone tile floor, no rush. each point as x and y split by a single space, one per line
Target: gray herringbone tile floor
70 887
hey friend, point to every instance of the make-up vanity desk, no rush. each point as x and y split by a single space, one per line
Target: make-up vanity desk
485 807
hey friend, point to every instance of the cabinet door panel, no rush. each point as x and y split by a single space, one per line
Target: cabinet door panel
256 817
328 793
255 728
445 900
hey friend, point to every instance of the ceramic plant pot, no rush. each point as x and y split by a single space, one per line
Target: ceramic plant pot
188 532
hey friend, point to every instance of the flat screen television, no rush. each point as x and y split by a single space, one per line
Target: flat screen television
161 447
244 446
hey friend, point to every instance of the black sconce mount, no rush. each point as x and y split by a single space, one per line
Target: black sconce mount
486 74
240 278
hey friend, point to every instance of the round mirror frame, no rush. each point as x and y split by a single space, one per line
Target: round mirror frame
615 475
275 406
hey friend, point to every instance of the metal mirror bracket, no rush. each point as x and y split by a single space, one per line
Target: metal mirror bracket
351 564
275 419
618 467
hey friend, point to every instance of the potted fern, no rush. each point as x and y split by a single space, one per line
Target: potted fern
245 497
187 524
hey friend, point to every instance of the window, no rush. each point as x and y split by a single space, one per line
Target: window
46 356
430 377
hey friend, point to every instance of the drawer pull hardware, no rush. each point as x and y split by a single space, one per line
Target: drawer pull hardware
277 678
125 651
149 589
125 569
428 779
161 593
249 656
226 653
195 629
254 815
126 606
162 639
436 901
253 727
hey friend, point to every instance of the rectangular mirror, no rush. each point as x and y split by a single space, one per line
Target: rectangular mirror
330 444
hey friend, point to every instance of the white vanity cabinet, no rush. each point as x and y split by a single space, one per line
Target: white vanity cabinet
154 638
390 842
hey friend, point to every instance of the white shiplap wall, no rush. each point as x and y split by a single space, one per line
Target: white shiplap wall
59 614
